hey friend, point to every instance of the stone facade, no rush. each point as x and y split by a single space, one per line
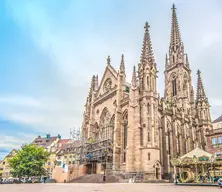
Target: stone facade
146 130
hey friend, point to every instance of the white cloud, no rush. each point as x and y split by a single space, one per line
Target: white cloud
216 102
76 54
14 142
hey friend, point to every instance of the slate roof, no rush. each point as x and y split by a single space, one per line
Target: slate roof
68 147
219 119
44 142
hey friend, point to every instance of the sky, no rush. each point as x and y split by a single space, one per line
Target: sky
49 50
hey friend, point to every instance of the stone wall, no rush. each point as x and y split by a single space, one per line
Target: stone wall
74 171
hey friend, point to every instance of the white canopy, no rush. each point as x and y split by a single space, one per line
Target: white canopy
198 153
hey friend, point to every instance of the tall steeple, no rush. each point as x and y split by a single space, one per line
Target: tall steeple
147 51
201 95
176 48
175 32
147 66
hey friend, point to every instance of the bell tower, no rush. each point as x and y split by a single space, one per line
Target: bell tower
178 82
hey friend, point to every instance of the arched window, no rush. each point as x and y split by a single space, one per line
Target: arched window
148 137
141 136
147 80
148 108
104 123
174 85
125 120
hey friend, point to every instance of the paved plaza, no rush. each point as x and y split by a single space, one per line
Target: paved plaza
117 187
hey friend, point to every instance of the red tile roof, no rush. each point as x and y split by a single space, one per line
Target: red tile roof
63 141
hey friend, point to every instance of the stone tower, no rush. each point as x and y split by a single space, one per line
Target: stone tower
121 76
178 82
147 74
203 117
179 94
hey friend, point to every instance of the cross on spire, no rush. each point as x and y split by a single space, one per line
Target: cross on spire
147 51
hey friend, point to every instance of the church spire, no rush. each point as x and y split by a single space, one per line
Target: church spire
175 32
147 51
201 95
122 65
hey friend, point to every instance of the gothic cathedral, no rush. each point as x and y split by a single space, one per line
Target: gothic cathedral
144 130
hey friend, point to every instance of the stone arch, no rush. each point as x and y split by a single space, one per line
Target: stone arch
158 169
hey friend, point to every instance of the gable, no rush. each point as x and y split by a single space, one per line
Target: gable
108 81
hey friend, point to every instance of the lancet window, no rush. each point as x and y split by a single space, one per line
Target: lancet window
174 84
105 124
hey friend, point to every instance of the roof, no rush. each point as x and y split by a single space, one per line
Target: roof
219 119
12 153
44 142
68 147
63 141
197 152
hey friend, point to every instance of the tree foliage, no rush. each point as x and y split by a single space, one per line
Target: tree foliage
29 161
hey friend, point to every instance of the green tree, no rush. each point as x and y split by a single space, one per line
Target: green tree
29 161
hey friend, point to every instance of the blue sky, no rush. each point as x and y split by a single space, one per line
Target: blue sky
49 49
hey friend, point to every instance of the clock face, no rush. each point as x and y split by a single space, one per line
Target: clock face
107 85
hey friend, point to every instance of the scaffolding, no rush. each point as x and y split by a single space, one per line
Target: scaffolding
100 151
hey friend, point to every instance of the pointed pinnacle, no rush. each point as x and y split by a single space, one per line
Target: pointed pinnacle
122 65
108 60
134 77
187 61
166 61
201 96
92 87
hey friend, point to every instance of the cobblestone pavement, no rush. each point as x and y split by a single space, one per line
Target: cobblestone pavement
116 187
